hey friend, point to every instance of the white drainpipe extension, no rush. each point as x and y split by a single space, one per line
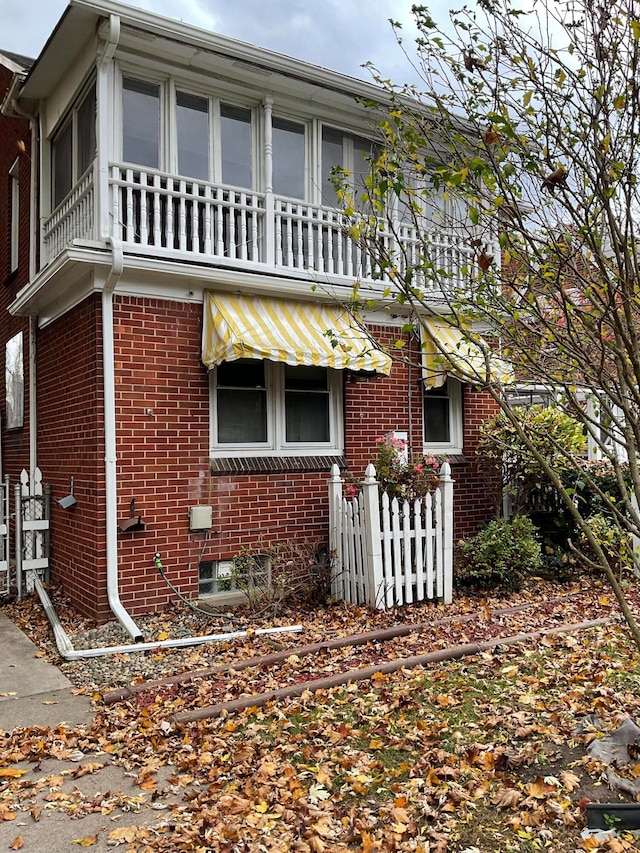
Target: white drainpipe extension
65 646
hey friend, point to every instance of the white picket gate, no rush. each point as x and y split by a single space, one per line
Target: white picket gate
388 553
33 500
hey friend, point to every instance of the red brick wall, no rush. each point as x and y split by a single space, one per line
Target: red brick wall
162 412
71 444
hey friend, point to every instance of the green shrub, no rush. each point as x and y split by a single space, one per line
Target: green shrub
499 555
557 436
614 541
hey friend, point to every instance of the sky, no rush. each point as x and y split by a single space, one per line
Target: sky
338 34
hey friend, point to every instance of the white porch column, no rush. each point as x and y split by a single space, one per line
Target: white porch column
269 246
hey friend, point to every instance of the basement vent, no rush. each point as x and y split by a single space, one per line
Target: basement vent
245 573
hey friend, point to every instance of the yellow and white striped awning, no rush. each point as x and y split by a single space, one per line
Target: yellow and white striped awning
310 333
446 351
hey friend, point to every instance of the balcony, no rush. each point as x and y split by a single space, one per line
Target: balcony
172 218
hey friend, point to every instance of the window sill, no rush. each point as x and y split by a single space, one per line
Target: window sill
274 464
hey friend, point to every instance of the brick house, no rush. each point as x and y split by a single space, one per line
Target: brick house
187 233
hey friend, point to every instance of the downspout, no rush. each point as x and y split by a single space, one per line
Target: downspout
111 34
110 460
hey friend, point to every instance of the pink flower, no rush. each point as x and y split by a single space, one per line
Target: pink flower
351 491
419 469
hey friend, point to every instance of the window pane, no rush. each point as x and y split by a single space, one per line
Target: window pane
305 378
363 151
235 140
436 416
332 158
62 164
288 158
242 416
14 381
242 413
243 373
192 118
86 131
307 417
141 123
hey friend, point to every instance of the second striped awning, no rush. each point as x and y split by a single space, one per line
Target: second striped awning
295 332
446 350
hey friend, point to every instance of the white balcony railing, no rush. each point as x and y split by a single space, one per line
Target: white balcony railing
73 219
167 216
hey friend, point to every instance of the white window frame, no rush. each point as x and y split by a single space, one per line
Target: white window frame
456 427
168 154
276 444
14 225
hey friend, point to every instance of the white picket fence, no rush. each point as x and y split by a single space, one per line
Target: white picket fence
389 552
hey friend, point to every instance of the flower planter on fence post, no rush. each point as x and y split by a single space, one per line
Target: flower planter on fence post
376 593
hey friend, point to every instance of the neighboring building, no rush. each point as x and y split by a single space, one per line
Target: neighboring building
15 246
188 265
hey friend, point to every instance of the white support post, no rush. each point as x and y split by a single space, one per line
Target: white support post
446 490
269 235
376 592
335 532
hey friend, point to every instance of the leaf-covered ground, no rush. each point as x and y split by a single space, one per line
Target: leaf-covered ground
485 753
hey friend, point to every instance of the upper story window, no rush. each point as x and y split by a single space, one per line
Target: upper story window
262 407
14 216
213 140
73 146
192 125
236 146
350 153
289 158
141 122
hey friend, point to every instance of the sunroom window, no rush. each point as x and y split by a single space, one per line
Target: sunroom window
192 123
141 122
267 407
353 154
236 146
73 146
289 162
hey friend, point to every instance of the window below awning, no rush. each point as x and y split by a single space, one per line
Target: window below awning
282 330
446 352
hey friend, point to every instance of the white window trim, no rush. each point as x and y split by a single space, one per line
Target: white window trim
276 444
456 427
14 234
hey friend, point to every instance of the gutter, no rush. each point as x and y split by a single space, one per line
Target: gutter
65 646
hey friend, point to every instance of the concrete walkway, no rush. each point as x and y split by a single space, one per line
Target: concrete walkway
33 692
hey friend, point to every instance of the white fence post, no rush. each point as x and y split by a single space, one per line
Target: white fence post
376 593
446 490
335 532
